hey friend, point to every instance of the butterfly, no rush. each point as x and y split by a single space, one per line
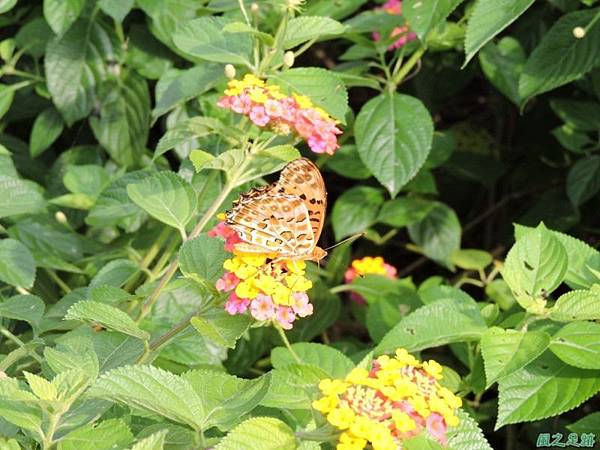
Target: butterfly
284 218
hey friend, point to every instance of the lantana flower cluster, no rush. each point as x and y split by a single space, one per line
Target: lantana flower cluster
269 289
397 399
403 33
368 265
267 106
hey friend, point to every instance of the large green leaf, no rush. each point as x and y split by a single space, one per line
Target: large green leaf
124 119
19 407
506 351
202 258
582 115
19 197
561 57
17 266
107 316
423 16
578 344
404 211
29 308
294 386
46 129
305 28
220 327
394 133
583 180
74 65
490 17
166 197
324 88
204 38
535 266
454 317
155 441
546 387
355 210
467 435
502 64
577 305
259 433
61 14
332 361
107 435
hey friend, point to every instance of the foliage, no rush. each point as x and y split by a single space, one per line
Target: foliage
126 129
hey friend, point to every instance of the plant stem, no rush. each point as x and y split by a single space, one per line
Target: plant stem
163 339
48 440
341 288
149 256
64 286
407 67
287 344
244 12
5 331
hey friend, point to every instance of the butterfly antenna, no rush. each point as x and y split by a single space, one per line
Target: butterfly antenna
349 239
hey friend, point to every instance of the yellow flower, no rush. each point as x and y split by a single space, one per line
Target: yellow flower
405 388
332 387
298 283
451 420
253 259
368 264
361 427
405 358
357 375
258 95
232 264
282 295
297 267
381 438
420 405
326 404
350 442
341 418
303 101
433 368
251 80
452 400
246 290
266 283
403 422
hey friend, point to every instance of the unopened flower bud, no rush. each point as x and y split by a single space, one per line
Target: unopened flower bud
60 217
254 8
230 71
578 32
288 59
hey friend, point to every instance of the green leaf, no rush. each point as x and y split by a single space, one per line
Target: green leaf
404 211
547 387
582 115
204 38
61 14
578 344
306 28
471 259
588 424
502 64
226 398
76 358
423 16
393 135
490 17
115 273
438 234
155 441
332 361
117 9
202 259
324 88
467 435
17 266
259 433
506 351
583 180
265 162
421 442
7 5
242 27
88 179
166 197
200 158
19 197
106 435
577 305
561 57
152 389
355 210
454 317
29 308
74 63
41 388
47 127
123 122
221 327
19 407
346 162
7 94
107 316
294 386
571 139
535 266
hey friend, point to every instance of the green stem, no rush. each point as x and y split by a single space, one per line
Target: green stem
271 52
64 286
149 257
341 288
407 67
244 12
287 343
163 339
589 26
5 331
48 440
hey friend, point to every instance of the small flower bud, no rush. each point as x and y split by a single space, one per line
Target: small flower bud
60 217
578 32
288 59
230 71
254 8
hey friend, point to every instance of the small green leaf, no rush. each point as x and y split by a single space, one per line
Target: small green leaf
7 5
17 266
577 305
107 316
106 435
61 14
28 308
332 361
259 433
166 197
582 115
117 9
506 351
200 158
221 327
86 179
306 28
294 386
502 64
393 135
588 424
241 27
47 127
19 197
155 441
578 344
423 16
7 94
355 210
116 273
41 388
471 259
583 180
202 258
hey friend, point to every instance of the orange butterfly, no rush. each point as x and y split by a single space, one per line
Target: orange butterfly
285 218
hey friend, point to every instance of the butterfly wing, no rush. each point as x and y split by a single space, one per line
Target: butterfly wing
302 178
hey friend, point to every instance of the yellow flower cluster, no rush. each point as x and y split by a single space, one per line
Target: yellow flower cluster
394 401
369 264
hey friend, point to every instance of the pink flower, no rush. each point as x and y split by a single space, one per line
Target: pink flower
437 428
285 317
230 236
273 108
262 307
393 7
226 102
259 116
236 305
301 305
390 271
227 282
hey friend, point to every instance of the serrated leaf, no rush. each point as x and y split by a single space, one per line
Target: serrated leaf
152 389
393 134
561 57
583 180
578 344
64 360
355 210
490 17
61 14
546 387
324 88
241 27
24 414
17 266
294 386
425 15
106 435
155 441
86 179
203 38
502 64
588 424
47 127
29 308
259 433
19 197
202 259
467 435
42 388
506 351
115 273
221 327
332 361
305 28
577 305
166 197
535 266
200 158
454 317
107 316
